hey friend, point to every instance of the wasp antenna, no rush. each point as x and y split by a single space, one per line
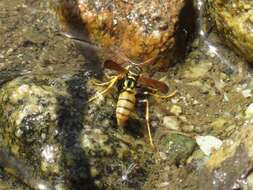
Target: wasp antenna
65 34
70 36
125 58
84 42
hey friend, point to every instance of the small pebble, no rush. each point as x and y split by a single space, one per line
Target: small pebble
249 111
177 110
246 93
188 128
171 122
225 97
208 143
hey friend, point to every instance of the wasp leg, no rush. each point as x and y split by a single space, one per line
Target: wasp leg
164 97
111 84
108 76
147 121
101 84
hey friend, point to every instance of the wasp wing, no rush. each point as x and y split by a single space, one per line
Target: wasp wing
108 53
161 86
109 64
81 41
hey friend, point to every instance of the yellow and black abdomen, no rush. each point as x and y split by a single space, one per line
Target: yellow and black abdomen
125 105
126 101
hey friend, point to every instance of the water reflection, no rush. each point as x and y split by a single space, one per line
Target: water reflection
203 31
20 170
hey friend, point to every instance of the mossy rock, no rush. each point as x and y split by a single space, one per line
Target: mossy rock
177 147
234 21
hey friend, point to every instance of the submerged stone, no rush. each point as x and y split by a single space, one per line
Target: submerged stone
177 147
171 122
208 143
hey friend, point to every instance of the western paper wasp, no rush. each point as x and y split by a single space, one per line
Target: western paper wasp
132 78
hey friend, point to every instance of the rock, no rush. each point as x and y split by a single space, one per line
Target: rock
249 111
204 87
197 159
218 124
208 144
176 147
234 21
198 71
231 165
139 29
48 127
177 110
22 171
249 183
171 122
247 93
188 128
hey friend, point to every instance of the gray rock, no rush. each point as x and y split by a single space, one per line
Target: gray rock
230 166
171 123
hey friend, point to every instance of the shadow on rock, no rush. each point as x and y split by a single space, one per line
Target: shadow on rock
70 123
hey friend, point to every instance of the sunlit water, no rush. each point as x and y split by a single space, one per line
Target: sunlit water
203 36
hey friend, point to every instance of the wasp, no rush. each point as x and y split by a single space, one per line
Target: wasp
132 78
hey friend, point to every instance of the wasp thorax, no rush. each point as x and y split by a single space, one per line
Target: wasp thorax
134 71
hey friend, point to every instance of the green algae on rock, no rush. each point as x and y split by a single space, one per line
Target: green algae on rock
177 147
46 123
234 21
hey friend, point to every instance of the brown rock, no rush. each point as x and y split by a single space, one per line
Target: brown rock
139 29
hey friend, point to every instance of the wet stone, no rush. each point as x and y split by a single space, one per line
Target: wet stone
217 173
177 147
139 29
197 71
197 160
171 122
249 112
48 129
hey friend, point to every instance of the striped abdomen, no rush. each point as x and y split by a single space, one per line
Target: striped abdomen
125 106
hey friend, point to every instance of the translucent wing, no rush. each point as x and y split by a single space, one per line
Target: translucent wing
69 16
111 53
83 42
109 64
161 86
